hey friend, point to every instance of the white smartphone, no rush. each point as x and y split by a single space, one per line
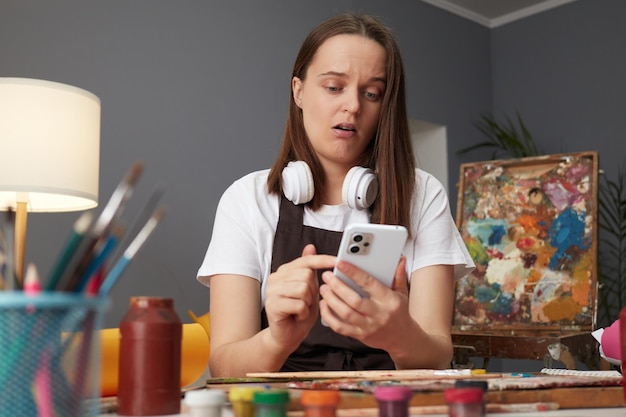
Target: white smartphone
375 248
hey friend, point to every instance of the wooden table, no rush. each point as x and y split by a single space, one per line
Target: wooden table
584 402
531 345
577 389
567 398
427 400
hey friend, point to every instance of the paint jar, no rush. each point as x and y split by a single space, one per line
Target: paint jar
271 403
319 403
393 400
150 358
622 333
465 402
241 400
205 402
474 383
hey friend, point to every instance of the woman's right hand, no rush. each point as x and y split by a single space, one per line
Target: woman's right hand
292 298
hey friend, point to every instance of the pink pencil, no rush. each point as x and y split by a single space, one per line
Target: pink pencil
31 280
43 387
32 287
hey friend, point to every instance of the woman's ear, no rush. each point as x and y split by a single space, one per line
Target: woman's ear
296 90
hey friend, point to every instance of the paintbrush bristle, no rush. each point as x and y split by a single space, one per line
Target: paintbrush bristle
135 172
159 213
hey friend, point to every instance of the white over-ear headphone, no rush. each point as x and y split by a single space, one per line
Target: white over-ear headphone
360 187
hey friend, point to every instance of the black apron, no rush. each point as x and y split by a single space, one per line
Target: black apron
323 349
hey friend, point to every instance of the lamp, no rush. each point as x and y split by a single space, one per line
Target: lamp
50 151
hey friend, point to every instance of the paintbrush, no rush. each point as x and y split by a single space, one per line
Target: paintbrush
130 252
139 221
102 226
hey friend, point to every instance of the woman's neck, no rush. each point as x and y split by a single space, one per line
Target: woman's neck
333 186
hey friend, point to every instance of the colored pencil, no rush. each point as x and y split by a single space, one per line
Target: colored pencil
82 365
43 387
32 287
103 249
94 282
31 280
79 229
119 267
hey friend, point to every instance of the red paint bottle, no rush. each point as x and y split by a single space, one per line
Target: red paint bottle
393 400
149 361
465 402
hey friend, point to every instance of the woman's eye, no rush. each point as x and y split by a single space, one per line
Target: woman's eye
332 89
371 95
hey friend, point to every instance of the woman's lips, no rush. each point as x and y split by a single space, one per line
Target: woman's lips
345 130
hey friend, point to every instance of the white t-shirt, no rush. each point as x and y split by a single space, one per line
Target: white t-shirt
247 216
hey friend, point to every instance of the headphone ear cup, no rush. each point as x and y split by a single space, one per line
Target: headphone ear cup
298 182
360 188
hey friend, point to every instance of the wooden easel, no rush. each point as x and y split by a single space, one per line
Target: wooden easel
531 296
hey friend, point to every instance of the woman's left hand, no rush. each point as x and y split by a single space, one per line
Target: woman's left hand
376 321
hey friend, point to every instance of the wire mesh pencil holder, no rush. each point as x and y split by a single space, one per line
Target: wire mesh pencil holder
49 362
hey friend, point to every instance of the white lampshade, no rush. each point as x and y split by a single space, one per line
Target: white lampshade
49 146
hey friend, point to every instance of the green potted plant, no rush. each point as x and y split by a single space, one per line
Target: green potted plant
612 247
504 138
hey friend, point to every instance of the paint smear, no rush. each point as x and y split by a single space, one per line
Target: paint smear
529 230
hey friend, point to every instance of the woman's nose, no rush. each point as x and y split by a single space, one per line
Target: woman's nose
352 103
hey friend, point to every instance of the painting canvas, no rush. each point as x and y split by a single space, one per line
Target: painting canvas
530 225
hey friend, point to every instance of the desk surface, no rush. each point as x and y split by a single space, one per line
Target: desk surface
581 412
590 394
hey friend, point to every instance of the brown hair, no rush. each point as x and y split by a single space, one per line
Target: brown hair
389 153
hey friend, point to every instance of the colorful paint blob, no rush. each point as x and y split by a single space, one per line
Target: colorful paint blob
529 229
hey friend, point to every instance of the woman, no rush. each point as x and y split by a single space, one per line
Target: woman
269 263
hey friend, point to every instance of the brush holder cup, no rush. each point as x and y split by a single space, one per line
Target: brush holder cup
48 363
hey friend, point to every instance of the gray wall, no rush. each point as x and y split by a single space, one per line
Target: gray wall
198 90
564 71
